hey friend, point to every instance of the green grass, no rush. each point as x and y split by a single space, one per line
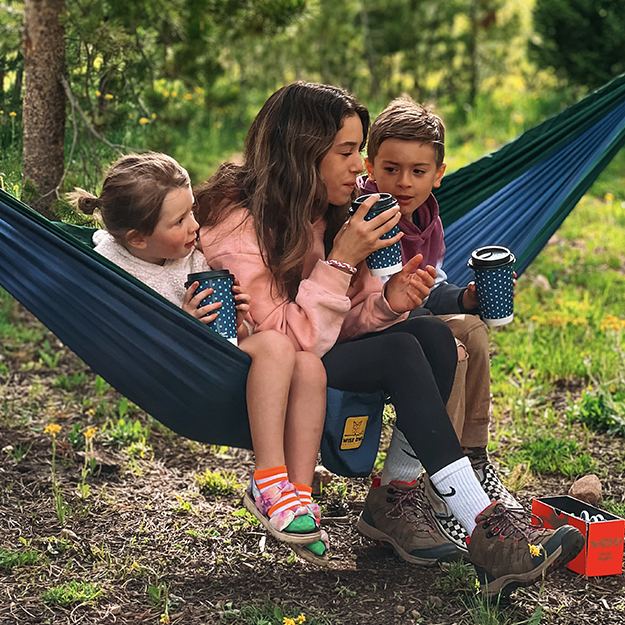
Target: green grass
549 454
217 483
72 593
11 558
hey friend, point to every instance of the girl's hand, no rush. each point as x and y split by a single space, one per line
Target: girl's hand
358 238
206 314
242 302
407 289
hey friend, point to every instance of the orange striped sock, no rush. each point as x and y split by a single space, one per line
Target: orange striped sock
266 478
304 492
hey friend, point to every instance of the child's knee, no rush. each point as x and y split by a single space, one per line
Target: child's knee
309 367
270 344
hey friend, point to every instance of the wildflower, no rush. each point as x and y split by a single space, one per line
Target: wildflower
98 93
174 94
108 96
301 618
188 97
610 322
12 114
609 197
153 116
288 621
535 550
52 429
164 620
90 412
518 118
143 121
90 432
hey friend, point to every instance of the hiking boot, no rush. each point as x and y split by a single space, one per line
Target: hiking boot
447 524
508 552
399 514
488 478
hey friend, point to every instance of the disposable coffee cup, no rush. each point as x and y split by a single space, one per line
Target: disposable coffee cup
221 282
386 261
493 266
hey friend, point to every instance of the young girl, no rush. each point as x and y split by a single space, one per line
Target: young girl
280 221
147 207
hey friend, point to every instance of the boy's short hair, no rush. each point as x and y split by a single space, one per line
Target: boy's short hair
405 119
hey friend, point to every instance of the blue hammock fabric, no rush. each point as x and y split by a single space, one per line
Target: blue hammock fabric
532 183
193 381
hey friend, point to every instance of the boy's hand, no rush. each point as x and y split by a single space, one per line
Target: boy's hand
359 238
206 314
469 297
242 301
407 289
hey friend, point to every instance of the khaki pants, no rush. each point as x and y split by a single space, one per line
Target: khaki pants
469 403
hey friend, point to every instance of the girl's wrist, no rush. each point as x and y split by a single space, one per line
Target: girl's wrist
342 266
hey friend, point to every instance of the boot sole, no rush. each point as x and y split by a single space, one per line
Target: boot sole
508 583
309 556
284 537
375 534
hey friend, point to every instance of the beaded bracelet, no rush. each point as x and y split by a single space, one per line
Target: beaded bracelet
346 267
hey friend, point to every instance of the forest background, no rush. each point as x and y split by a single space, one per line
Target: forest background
108 516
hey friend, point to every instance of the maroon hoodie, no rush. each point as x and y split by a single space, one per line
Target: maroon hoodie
423 234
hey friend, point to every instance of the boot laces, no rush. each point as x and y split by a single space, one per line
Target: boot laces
412 504
512 523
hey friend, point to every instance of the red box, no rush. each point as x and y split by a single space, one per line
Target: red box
603 552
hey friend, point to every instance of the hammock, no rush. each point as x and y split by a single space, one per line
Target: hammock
192 380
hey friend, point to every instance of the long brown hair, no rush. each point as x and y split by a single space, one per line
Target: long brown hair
279 181
133 192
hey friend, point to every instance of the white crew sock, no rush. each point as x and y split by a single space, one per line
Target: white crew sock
458 485
401 461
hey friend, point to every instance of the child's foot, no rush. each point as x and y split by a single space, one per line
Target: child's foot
488 478
315 553
508 552
273 500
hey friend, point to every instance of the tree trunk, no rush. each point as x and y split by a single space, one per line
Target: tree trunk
44 102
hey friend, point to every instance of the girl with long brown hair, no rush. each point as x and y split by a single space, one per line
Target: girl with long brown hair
280 221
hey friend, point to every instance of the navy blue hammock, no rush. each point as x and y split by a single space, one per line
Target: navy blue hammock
192 380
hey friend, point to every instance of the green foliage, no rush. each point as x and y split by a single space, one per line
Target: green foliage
123 431
72 593
581 39
268 614
217 483
10 559
601 410
549 454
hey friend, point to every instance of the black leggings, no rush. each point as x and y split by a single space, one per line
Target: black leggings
414 362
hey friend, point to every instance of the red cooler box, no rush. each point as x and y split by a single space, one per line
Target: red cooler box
603 552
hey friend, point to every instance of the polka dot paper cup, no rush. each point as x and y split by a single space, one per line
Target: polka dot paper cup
493 266
221 282
387 261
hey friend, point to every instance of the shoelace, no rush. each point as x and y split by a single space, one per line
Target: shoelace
512 524
407 501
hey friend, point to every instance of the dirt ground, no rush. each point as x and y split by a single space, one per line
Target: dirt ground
155 544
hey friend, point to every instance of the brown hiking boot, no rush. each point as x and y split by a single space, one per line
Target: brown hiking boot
508 552
488 478
399 514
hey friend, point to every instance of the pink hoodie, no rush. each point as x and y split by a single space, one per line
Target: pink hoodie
330 305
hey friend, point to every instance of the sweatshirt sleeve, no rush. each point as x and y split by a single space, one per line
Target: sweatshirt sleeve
313 321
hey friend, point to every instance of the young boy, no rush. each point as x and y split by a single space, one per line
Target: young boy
405 157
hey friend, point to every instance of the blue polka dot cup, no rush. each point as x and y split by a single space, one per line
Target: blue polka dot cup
493 266
386 261
221 282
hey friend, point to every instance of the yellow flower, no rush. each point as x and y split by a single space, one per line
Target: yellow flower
535 550
165 620
287 620
154 116
610 322
12 114
108 96
144 120
188 96
90 432
98 93
609 197
174 94
52 429
300 619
